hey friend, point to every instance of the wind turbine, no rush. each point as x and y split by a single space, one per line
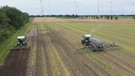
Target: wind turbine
42 8
98 7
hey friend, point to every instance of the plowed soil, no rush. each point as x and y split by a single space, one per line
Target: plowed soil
16 63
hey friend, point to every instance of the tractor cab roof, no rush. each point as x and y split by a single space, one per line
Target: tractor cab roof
21 37
87 35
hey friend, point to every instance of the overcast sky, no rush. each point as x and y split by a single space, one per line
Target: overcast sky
81 7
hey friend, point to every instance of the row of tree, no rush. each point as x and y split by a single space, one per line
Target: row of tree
10 16
108 17
11 19
111 17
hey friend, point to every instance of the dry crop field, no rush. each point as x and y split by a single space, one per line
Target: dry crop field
54 43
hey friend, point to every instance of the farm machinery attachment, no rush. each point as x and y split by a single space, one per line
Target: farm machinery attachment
97 45
21 44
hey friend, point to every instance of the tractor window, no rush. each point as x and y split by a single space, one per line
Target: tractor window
86 39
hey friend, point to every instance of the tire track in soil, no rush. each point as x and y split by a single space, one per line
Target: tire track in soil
83 60
48 64
43 41
31 68
38 53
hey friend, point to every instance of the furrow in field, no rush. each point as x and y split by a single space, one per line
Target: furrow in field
41 69
48 59
121 69
53 65
122 59
31 69
57 65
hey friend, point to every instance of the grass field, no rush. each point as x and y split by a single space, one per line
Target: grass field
54 43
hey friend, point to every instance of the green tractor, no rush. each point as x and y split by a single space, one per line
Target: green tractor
85 40
21 43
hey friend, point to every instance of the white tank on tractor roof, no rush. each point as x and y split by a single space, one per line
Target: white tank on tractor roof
21 37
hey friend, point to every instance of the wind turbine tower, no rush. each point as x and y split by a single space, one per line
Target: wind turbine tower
98 7
42 7
110 7
75 8
133 9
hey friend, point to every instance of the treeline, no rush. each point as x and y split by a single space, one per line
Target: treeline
107 17
111 17
11 19
60 16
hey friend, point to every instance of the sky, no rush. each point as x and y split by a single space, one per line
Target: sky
80 7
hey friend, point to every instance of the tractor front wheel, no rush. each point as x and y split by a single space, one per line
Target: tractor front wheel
82 41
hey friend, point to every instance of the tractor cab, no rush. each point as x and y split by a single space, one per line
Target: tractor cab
85 40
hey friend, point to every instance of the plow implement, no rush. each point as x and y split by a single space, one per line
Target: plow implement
21 48
112 46
106 46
